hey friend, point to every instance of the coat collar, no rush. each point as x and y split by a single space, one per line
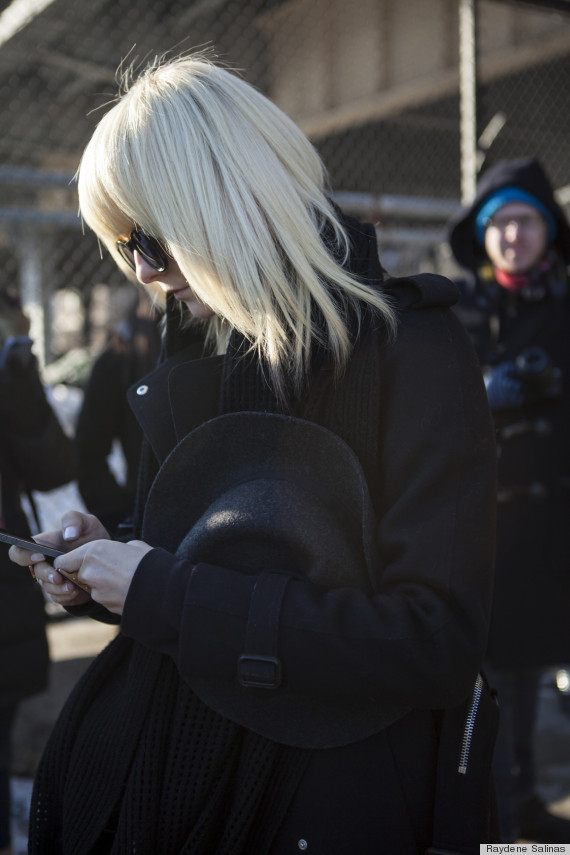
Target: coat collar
160 400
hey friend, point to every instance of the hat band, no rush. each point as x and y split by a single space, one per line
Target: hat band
502 197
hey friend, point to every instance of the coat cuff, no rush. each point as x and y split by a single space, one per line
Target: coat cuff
197 614
153 609
95 611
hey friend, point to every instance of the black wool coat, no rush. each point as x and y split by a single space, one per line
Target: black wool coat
530 624
433 420
425 441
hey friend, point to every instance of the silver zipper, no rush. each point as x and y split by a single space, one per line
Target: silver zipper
470 726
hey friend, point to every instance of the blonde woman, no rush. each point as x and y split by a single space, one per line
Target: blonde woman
310 572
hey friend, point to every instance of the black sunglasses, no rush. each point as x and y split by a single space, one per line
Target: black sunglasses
151 250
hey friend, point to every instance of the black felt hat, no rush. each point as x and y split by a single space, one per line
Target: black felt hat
258 492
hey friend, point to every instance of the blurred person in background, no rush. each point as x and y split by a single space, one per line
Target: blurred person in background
513 241
105 416
35 454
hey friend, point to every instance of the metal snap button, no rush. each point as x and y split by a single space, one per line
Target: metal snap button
302 844
142 390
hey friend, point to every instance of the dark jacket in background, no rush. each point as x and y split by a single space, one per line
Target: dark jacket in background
105 416
35 454
530 623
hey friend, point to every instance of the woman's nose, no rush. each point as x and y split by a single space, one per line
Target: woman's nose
145 273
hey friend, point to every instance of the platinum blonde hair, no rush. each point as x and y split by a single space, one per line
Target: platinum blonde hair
199 159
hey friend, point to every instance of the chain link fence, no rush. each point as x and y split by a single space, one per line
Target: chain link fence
374 83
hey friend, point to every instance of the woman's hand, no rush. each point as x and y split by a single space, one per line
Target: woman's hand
76 529
106 566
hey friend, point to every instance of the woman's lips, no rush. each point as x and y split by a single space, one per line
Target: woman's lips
178 293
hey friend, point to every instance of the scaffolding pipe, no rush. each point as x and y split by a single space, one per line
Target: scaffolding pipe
468 97
38 177
387 205
31 290
39 217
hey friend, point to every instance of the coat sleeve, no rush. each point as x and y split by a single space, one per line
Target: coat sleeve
419 639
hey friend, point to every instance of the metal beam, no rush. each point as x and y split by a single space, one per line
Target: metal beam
18 15
552 5
24 175
39 216
423 208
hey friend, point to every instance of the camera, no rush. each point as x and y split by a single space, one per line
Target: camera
536 370
530 378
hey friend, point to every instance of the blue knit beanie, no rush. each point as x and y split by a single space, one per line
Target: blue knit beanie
501 197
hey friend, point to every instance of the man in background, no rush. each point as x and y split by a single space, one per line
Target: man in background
513 242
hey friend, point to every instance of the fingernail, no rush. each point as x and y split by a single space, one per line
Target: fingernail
66 587
51 577
70 532
36 556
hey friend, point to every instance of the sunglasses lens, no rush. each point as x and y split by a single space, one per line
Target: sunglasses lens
148 247
127 254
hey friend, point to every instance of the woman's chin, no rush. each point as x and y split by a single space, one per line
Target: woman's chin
198 309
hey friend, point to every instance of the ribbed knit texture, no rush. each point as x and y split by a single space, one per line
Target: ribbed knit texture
139 749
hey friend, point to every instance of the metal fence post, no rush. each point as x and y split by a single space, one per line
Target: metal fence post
468 97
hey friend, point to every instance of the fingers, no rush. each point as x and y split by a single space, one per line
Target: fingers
73 524
73 576
100 569
78 528
61 587
57 587
65 587
107 567
24 557
67 567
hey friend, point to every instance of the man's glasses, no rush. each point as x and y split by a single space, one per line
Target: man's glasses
148 247
525 222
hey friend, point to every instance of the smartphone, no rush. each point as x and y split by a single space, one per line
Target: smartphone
48 551
12 540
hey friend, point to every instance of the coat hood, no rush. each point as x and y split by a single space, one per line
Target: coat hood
525 173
